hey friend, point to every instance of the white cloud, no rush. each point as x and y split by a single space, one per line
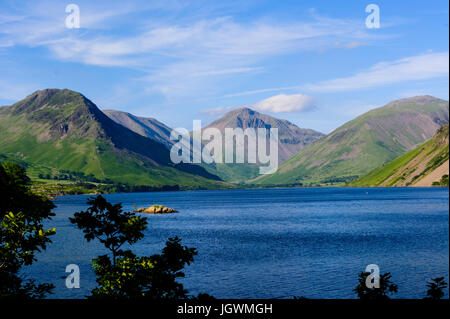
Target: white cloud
419 67
184 55
178 57
234 45
286 103
281 103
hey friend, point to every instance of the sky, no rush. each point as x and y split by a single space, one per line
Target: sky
314 63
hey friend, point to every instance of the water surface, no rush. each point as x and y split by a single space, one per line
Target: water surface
276 243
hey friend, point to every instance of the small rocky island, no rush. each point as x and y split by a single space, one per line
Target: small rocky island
156 209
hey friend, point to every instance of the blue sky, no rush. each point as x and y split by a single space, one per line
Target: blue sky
314 63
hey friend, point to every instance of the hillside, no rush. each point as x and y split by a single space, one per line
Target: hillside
148 127
422 166
363 144
291 139
56 130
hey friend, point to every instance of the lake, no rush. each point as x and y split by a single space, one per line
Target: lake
275 243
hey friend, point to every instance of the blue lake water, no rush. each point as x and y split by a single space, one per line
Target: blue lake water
275 243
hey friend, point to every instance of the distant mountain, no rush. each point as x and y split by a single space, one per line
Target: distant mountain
291 139
422 166
363 144
145 126
56 129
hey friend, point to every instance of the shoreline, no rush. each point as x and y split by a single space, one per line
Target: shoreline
55 197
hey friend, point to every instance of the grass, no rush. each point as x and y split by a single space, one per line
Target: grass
379 175
434 152
234 173
359 146
28 136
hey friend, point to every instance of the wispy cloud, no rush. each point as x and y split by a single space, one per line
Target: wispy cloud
187 57
421 67
281 103
210 39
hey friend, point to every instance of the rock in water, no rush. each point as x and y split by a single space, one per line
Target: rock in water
156 209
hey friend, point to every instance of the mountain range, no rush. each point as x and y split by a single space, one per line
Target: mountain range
56 130
291 137
52 130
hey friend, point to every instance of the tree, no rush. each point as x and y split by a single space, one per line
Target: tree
381 293
123 274
110 225
436 288
22 233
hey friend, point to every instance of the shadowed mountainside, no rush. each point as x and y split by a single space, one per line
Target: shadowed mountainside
148 127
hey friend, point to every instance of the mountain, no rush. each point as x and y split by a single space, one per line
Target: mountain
52 130
363 144
291 139
423 166
148 127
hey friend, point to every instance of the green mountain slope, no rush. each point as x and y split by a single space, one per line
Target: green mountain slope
363 144
422 166
62 130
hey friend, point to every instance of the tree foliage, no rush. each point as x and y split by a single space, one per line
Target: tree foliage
110 225
386 288
123 275
22 233
436 288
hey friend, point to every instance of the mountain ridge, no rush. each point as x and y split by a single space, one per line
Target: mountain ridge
63 130
292 137
364 143
145 126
